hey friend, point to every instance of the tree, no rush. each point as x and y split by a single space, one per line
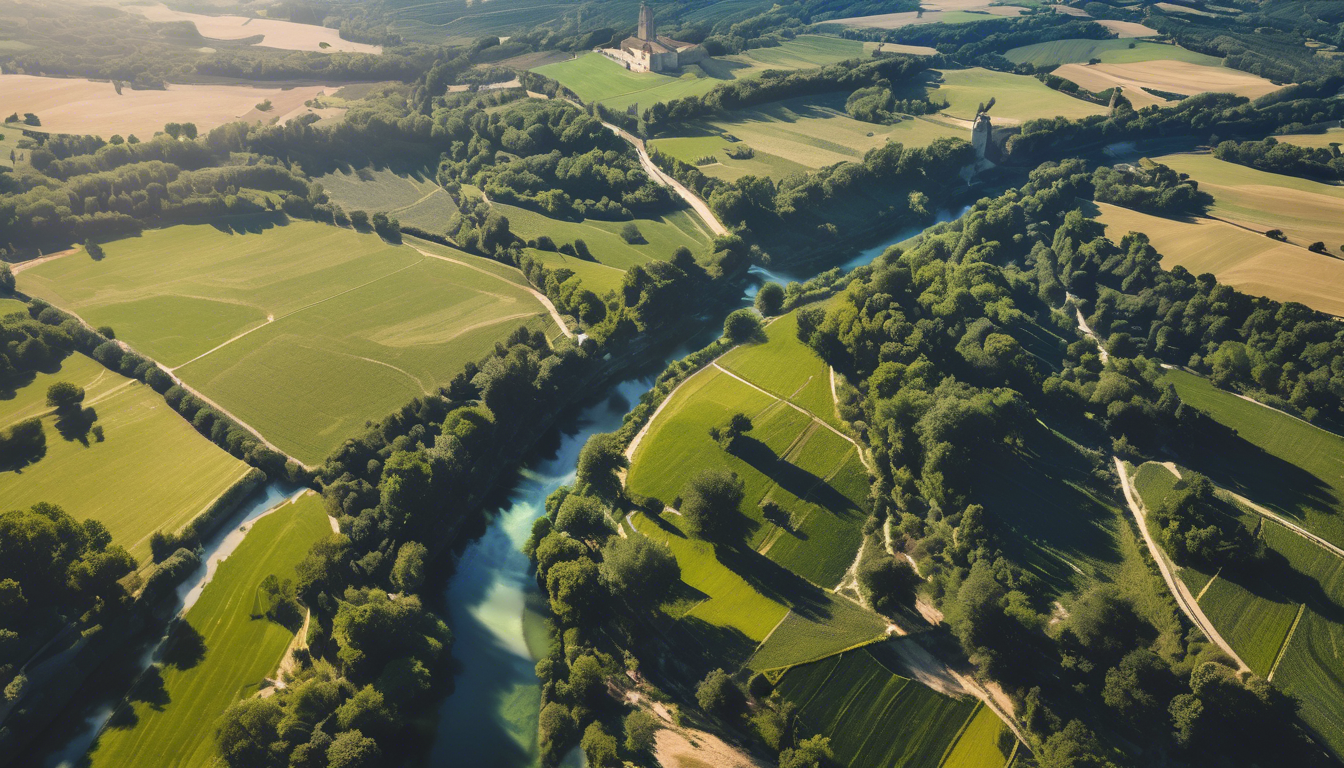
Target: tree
718 694
811 753
1317 247
887 584
769 299
246 731
6 279
554 725
709 504
366 712
599 461
106 332
640 727
64 395
600 747
360 220
408 573
574 588
1139 686
630 233
639 569
173 129
353 749
727 436
741 325
94 250
583 517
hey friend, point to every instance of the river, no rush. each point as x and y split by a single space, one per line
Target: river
492 600
67 741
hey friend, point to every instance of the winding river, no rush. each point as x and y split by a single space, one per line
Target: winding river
494 606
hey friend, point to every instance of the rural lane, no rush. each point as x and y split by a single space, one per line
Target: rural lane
692 199
1187 602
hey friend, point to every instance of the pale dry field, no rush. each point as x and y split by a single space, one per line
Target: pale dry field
1165 75
1174 8
1319 140
285 35
1069 10
1127 28
950 11
74 105
1247 261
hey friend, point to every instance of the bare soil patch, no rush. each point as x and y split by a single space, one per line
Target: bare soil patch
1127 28
673 749
1165 75
285 35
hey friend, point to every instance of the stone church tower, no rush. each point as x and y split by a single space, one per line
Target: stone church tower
647 29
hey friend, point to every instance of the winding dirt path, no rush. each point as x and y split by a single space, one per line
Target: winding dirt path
697 204
1187 602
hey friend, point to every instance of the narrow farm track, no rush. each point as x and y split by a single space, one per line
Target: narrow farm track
541 297
1187 602
698 205
269 319
23 265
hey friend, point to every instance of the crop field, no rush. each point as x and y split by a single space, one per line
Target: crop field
690 149
1330 136
1178 76
411 198
936 13
286 35
1109 51
1272 458
150 472
661 236
1127 28
1255 622
1018 98
981 743
852 697
786 367
596 277
166 722
801 639
303 331
594 77
1245 260
1307 211
74 105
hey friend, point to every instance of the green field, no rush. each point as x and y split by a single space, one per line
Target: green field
596 276
1330 136
981 743
807 132
168 720
854 696
1255 623
662 236
800 639
151 471
1018 98
1121 51
10 306
414 199
359 326
1272 458
786 367
594 77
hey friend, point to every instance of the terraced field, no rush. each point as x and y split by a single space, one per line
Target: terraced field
411 198
223 656
807 132
151 471
304 331
853 697
1121 51
594 77
1307 211
1245 260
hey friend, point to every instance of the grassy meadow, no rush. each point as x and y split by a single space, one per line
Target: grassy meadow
1320 140
1307 211
224 654
1247 261
661 236
414 199
692 149
854 695
310 329
981 742
596 276
1119 51
151 471
1018 98
594 77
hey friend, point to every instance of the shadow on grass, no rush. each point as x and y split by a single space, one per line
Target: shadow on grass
73 424
790 477
185 647
150 689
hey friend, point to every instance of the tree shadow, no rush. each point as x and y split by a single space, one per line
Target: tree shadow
775 581
74 423
150 689
788 476
185 647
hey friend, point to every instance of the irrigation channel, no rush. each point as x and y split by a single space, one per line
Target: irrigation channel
66 743
491 598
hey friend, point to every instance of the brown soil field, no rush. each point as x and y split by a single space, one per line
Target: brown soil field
1071 11
72 105
1174 8
934 12
1247 261
914 50
1165 75
285 35
1127 28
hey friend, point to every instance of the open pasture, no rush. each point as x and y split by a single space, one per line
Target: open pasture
1254 617
303 331
787 368
1127 28
1324 140
1018 98
223 652
150 472
414 198
661 236
1174 76
707 142
800 639
286 35
596 276
853 696
1109 51
1306 211
594 77
1247 261
75 105
934 12
982 742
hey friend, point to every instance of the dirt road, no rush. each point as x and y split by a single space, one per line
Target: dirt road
692 199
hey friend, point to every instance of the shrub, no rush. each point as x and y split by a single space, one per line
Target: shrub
709 504
769 299
741 325
1317 247
63 395
631 234
718 694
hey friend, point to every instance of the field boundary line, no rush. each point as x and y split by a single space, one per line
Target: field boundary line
1286 523
269 319
1208 584
951 745
23 265
1188 605
1283 649
639 436
541 297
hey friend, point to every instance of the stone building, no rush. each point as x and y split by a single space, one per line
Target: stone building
649 51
